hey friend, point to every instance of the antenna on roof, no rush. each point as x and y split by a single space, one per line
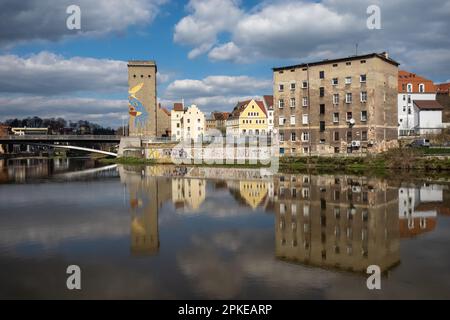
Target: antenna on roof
182 102
356 48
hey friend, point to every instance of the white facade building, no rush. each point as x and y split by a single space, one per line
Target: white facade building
175 121
193 124
407 119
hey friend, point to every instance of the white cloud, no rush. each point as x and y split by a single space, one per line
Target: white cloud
102 111
207 19
46 19
216 92
300 31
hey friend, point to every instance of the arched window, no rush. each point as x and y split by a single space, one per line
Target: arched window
421 87
409 87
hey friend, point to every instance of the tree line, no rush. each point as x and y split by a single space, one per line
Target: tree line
60 126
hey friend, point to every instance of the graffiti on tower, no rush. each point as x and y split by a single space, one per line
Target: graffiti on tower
136 109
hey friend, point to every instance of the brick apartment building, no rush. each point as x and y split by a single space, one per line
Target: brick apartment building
337 106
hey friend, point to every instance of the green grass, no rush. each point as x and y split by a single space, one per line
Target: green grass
436 151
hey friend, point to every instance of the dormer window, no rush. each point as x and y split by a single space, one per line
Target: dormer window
421 88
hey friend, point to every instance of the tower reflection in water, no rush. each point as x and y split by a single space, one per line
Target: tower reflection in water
335 222
146 195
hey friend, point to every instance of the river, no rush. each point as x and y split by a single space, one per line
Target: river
161 232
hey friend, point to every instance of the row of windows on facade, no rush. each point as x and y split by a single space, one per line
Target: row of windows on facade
257 121
336 136
409 87
250 131
142 76
348 99
305 118
322 73
334 82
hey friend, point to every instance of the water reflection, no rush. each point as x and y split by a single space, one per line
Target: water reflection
339 222
171 232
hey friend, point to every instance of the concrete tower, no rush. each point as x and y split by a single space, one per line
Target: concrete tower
142 98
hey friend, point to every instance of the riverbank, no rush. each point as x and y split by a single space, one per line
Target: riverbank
405 159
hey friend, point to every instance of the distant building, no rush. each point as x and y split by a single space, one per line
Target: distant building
443 97
248 118
187 123
217 121
175 119
268 104
342 105
427 117
412 87
164 122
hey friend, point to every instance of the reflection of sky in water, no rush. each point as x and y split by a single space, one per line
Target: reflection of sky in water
216 240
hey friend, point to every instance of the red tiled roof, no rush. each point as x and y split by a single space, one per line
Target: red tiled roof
443 87
428 105
178 106
261 105
166 111
269 101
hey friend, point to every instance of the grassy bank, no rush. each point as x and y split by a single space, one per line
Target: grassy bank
406 160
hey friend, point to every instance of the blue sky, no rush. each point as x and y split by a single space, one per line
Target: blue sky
209 52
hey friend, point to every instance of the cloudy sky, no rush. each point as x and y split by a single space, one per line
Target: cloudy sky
209 52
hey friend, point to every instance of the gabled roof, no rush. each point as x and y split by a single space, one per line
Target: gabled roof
428 105
218 115
241 105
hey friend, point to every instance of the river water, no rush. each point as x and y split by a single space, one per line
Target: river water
162 232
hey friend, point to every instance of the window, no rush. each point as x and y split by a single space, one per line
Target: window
349 136
322 74
336 149
335 81
364 115
421 88
336 117
348 97
292 120
281 138
292 86
409 87
403 89
335 65
322 126
281 87
305 101
362 78
281 103
348 80
305 136
322 109
292 102
409 98
348 63
305 84
363 61
364 135
363 96
281 121
336 98
321 91
349 116
336 136
305 119
292 136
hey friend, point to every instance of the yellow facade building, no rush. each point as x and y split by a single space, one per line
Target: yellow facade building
248 118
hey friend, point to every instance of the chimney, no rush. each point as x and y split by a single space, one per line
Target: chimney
385 54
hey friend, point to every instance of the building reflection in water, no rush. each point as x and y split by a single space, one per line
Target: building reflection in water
418 209
336 222
188 193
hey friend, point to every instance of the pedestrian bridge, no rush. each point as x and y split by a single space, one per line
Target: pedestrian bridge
52 141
